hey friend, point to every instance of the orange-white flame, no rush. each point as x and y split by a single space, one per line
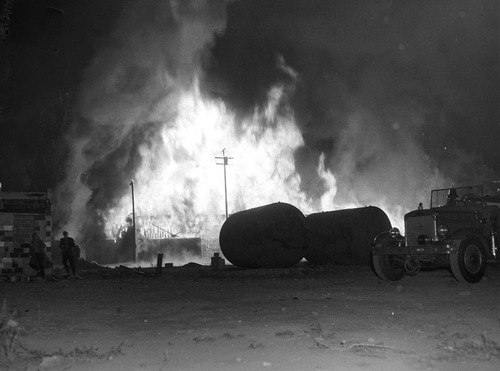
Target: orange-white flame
180 187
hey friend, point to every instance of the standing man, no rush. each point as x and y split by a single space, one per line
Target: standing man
67 245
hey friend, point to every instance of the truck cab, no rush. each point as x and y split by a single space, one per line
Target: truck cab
458 230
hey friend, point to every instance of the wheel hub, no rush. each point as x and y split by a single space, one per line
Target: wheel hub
472 259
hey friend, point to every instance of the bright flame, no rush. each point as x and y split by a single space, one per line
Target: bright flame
180 188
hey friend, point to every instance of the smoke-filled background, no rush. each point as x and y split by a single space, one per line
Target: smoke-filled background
324 104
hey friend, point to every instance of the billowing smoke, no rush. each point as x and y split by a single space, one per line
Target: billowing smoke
399 97
388 96
139 71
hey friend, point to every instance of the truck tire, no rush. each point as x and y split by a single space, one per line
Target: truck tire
469 263
388 268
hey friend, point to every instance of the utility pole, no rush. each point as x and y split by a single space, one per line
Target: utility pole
225 163
133 216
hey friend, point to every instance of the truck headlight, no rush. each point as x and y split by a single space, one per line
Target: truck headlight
394 232
423 239
442 230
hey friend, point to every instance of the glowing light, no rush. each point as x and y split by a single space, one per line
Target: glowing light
180 187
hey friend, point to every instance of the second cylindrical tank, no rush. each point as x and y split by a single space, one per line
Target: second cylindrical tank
344 236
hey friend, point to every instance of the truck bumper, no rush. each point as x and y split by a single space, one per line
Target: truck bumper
445 249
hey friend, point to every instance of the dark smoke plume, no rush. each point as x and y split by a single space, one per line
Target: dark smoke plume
396 94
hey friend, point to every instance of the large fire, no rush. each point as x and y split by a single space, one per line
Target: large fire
144 118
179 191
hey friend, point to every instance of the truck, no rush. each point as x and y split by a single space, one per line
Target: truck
459 230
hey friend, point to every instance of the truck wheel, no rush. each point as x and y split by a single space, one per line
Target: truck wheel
469 263
388 267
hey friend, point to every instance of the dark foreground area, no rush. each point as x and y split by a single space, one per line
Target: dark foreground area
302 318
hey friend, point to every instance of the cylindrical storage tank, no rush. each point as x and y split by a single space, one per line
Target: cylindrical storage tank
271 236
344 236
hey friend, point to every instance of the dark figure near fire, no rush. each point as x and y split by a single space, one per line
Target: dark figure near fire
39 258
68 254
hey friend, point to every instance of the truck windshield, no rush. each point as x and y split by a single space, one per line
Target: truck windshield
442 197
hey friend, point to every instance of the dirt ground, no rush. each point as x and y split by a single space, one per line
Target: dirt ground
302 318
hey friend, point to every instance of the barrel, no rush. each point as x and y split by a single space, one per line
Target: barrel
344 236
270 236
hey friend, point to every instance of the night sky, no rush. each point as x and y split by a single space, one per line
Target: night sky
376 86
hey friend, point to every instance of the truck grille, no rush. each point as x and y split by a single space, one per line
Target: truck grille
418 225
